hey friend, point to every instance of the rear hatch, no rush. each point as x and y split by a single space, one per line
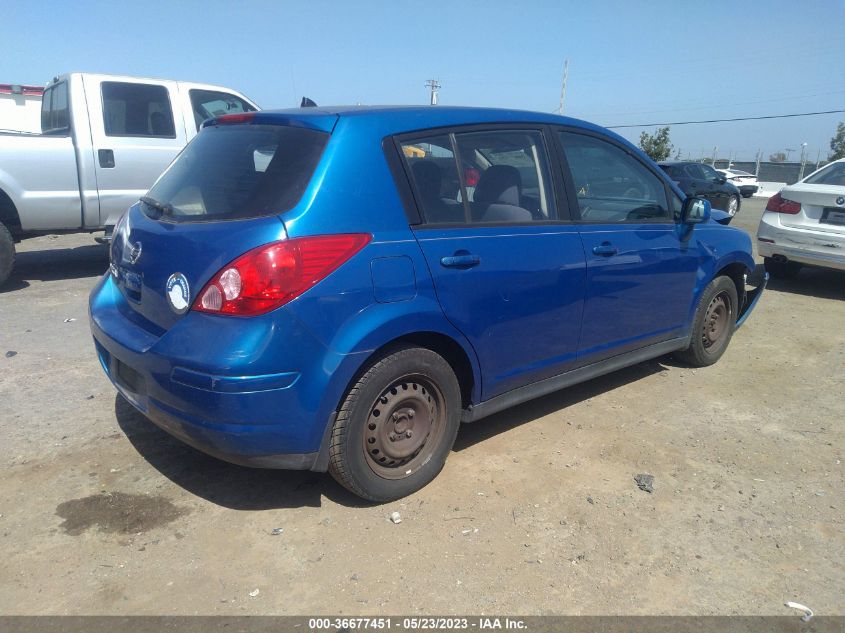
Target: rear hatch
221 197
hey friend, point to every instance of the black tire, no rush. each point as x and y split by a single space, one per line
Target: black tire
735 200
747 195
781 269
407 396
7 254
713 325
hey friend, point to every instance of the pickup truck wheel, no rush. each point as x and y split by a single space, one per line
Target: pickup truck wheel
396 426
7 254
713 325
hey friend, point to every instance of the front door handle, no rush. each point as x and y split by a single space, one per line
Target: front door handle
606 249
461 259
106 157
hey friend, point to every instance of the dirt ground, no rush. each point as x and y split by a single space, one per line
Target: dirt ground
536 512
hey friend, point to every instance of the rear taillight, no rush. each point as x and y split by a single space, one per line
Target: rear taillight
779 204
269 276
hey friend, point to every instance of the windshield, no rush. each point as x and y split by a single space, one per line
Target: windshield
833 174
237 171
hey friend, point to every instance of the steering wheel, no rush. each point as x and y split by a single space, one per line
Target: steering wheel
633 192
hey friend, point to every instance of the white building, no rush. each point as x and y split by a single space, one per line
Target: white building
20 107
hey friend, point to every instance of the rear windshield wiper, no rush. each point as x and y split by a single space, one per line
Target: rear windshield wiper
161 207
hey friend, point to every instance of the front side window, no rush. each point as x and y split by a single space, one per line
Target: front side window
208 104
709 172
237 171
131 109
610 184
495 177
55 113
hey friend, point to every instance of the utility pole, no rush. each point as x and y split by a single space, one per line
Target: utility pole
434 85
788 152
757 167
803 153
818 158
563 86
715 149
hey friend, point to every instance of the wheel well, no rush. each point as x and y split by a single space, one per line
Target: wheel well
9 214
736 272
446 347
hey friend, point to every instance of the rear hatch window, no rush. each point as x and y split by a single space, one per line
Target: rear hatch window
230 172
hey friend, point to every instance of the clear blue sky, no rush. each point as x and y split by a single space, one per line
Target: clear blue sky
630 62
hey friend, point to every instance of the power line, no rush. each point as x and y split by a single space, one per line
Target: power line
746 118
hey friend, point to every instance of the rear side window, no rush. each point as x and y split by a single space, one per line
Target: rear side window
137 110
610 184
833 174
208 104
238 171
498 176
55 115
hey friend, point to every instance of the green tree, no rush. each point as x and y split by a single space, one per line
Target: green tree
777 157
837 143
656 145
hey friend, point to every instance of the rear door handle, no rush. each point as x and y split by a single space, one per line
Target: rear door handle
460 260
606 250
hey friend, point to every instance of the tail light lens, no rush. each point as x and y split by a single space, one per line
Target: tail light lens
779 204
269 276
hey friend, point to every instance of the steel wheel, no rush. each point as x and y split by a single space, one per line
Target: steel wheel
733 205
404 427
717 320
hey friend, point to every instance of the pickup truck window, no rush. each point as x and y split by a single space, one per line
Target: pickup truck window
208 104
237 171
131 109
54 109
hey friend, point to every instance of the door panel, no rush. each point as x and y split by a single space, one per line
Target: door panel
638 295
136 132
520 305
640 274
507 275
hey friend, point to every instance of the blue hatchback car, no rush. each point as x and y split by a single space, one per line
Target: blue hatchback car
338 289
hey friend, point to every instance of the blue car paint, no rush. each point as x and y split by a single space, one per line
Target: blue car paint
262 390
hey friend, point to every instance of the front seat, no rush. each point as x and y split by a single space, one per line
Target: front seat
497 196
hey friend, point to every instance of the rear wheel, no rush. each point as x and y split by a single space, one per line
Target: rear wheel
396 425
733 204
713 325
7 254
781 269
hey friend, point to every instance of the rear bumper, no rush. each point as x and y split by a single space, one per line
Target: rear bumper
245 414
805 246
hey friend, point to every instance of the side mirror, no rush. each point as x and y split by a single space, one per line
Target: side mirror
721 180
695 211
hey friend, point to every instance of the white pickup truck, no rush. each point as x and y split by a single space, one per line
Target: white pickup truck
104 140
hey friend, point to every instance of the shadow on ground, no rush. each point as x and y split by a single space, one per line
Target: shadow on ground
90 260
822 283
242 488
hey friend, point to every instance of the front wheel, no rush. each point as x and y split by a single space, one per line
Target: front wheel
396 425
713 324
733 204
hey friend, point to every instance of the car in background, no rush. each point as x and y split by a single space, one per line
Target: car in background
288 313
804 224
698 179
742 180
